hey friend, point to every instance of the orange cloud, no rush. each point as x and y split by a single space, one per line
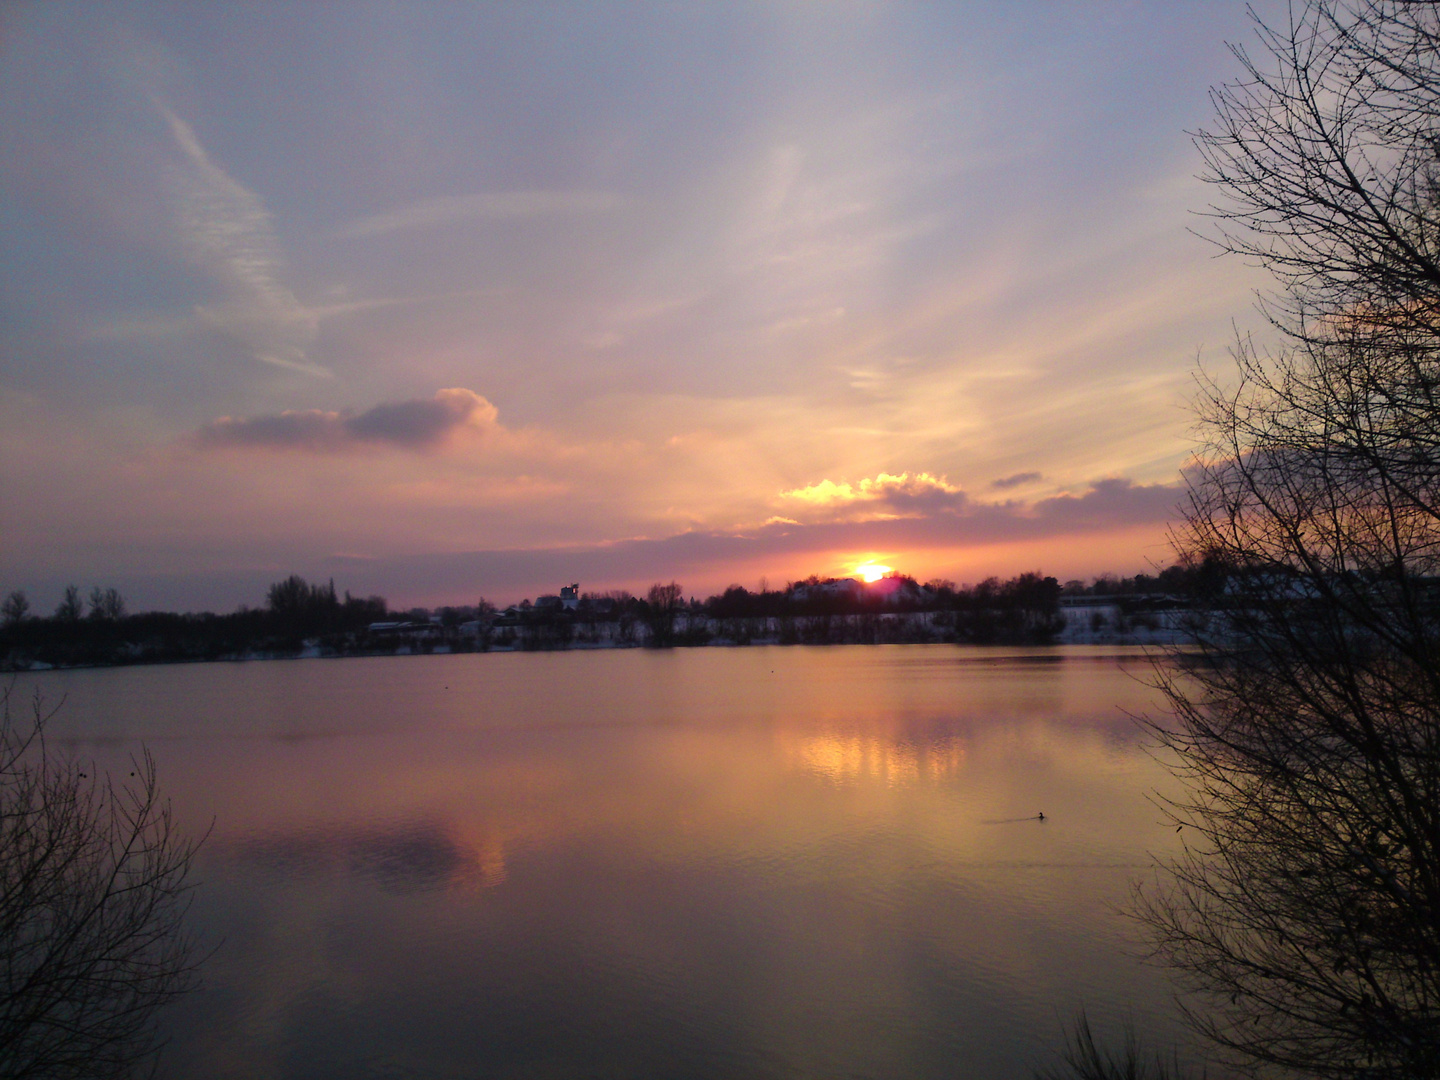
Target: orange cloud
886 495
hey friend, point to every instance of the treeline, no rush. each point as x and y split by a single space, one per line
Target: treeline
1185 580
895 610
295 612
299 615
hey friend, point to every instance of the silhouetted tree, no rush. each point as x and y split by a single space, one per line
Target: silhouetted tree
662 603
1086 1059
106 604
92 897
70 607
1306 909
296 596
300 608
359 612
15 608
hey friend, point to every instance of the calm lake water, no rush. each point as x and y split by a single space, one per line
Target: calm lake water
766 862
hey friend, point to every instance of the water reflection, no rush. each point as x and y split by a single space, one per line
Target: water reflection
714 863
399 857
842 758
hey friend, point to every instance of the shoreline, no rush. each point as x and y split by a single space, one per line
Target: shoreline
1162 637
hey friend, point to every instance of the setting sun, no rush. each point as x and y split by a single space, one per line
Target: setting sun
872 571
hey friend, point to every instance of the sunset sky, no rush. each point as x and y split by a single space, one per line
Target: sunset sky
444 301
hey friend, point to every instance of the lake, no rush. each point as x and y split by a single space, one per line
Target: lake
764 862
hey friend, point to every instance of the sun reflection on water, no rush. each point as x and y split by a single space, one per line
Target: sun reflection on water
843 758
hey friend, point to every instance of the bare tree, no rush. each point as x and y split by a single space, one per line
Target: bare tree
106 605
1326 158
1306 910
15 607
92 897
1086 1059
662 604
1308 905
71 607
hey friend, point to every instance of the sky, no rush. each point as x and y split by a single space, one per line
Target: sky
445 301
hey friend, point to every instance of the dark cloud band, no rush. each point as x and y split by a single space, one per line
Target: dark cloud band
694 558
413 425
1107 506
1007 482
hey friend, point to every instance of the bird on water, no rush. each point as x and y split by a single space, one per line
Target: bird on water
1040 816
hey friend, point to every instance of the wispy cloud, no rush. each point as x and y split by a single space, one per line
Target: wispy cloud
419 424
229 230
479 206
154 327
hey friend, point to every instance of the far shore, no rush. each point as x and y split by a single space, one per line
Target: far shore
1102 625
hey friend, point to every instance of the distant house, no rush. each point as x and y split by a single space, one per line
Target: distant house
514 614
568 600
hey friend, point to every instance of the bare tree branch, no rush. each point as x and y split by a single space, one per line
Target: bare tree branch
92 899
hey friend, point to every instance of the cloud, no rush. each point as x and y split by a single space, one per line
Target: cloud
307 429
480 206
1106 505
420 424
699 556
929 501
887 494
228 229
1113 502
1071 535
1008 482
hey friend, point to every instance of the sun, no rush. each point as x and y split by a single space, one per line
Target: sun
872 571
